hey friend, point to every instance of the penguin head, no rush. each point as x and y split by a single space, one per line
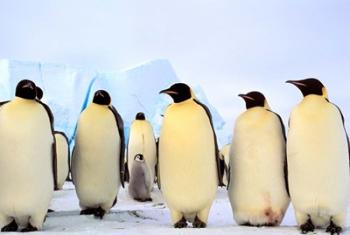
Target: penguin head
310 86
140 116
179 92
254 99
39 93
26 89
101 97
139 158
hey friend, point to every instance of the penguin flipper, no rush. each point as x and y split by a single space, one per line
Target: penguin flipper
126 164
343 120
54 152
72 164
120 125
285 166
217 152
223 167
228 177
157 164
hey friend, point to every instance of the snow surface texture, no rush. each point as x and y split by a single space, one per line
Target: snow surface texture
131 217
68 90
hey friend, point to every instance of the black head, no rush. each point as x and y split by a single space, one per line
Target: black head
102 97
179 92
26 89
39 93
139 157
140 116
310 86
253 99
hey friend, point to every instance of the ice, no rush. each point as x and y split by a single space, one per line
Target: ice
68 90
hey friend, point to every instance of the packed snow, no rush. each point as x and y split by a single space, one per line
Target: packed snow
131 217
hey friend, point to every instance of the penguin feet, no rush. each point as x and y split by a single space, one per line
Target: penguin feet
333 229
88 211
143 199
307 227
11 227
198 223
29 228
181 223
247 224
99 213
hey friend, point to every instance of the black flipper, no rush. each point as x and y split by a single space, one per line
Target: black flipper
217 157
222 169
71 172
126 165
228 177
157 165
120 125
68 161
54 153
347 137
285 154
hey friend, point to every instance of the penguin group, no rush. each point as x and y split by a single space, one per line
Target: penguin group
264 168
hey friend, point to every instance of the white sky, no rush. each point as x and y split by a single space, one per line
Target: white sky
226 46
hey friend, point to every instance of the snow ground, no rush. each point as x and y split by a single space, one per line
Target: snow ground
131 217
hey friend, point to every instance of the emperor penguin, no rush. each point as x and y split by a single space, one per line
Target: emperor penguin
139 188
27 160
224 162
318 160
258 189
98 156
188 158
142 141
63 158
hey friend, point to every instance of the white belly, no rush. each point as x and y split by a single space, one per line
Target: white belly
187 158
142 141
257 189
95 161
62 150
318 159
26 175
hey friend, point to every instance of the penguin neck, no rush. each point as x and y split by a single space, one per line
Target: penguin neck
190 100
314 99
22 100
98 106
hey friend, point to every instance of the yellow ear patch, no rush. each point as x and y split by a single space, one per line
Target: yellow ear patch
266 105
193 95
324 93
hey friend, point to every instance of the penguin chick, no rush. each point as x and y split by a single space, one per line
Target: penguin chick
139 188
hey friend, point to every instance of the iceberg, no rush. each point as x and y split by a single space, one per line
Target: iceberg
65 88
68 90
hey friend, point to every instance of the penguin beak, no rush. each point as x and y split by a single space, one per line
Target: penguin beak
296 83
169 92
245 97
